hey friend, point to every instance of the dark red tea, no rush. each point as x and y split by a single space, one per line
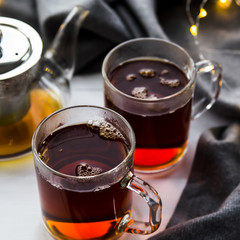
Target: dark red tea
83 150
160 139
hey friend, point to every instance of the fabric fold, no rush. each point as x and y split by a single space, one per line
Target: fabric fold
108 24
209 207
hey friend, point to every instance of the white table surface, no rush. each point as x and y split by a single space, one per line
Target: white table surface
20 213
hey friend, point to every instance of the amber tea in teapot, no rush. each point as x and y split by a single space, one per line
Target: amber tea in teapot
16 138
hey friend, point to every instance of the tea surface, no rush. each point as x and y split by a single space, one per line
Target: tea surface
69 148
157 78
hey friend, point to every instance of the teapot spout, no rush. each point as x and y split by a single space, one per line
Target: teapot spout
62 51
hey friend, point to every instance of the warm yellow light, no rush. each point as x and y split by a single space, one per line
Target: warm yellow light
193 30
237 2
224 3
203 13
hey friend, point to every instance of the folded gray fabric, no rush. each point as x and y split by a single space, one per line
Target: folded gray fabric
24 10
209 207
110 22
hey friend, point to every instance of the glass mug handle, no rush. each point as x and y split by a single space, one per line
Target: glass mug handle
150 195
208 84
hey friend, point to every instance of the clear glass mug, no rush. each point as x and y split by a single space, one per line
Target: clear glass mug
91 207
161 125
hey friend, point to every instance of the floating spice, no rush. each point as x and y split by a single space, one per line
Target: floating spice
170 82
131 77
140 92
147 72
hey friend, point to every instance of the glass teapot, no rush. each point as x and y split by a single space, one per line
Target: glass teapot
33 86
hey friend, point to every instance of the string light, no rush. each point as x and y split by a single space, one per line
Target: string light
224 3
193 30
203 13
237 2
195 24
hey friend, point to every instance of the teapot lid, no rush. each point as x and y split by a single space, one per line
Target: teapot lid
20 47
